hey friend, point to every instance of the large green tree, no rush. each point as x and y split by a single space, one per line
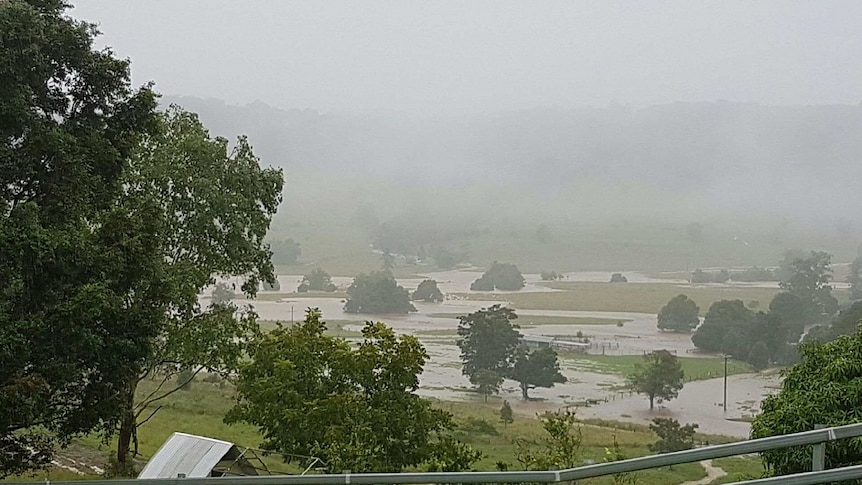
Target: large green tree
69 119
539 368
355 408
679 315
500 276
377 292
808 277
488 340
428 291
213 206
825 388
660 377
725 323
317 280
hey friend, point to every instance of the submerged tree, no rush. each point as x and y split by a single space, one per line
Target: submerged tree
660 377
539 368
500 276
428 291
488 340
679 315
377 292
317 280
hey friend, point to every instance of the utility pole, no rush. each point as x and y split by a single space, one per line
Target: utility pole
291 322
725 383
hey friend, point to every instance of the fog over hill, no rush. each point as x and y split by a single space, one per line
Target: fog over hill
672 160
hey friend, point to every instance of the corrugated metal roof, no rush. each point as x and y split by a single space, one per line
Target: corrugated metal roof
194 456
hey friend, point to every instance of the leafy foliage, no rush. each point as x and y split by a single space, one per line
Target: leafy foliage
845 323
672 436
825 388
317 280
377 292
488 382
488 341
660 377
759 338
724 325
679 315
428 291
356 408
539 368
808 279
500 276
213 205
560 447
69 120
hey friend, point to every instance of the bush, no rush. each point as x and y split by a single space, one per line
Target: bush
619 278
428 291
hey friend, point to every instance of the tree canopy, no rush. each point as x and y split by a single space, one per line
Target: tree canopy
428 291
355 408
488 340
679 315
759 338
69 120
824 388
539 368
807 277
660 377
317 280
672 436
377 292
500 276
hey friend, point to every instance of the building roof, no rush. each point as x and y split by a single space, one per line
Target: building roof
193 456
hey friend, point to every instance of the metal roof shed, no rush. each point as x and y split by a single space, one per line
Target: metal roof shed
196 457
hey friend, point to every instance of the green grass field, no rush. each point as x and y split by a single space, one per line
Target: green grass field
200 409
628 297
535 320
695 369
738 468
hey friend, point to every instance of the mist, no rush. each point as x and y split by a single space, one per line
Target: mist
465 115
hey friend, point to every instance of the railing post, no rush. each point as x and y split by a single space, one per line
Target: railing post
818 453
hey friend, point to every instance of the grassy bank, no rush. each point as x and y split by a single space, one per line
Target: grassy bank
200 410
738 468
628 297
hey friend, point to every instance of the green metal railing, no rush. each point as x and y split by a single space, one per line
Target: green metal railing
818 438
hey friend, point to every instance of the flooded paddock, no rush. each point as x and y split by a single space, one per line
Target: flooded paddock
699 402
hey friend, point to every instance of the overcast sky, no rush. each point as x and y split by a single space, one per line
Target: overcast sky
460 56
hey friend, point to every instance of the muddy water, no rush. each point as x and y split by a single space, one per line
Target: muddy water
698 402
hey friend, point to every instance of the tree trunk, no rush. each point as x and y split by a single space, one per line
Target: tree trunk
524 389
127 427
